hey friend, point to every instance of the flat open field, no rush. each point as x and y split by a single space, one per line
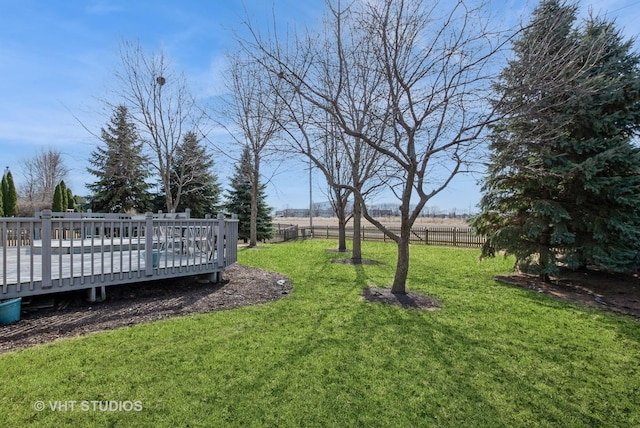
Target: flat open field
389 221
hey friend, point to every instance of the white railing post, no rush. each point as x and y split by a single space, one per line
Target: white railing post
221 240
46 248
148 246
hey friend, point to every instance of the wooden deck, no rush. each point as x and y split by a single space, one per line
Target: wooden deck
143 249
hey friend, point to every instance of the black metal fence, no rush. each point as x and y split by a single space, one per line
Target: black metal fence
446 236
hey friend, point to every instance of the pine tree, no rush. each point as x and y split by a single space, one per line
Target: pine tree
2 186
239 202
601 186
65 198
71 201
563 181
120 168
199 188
9 195
58 199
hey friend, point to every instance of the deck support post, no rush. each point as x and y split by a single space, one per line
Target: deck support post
103 294
215 277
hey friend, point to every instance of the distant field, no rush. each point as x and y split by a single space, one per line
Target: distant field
389 221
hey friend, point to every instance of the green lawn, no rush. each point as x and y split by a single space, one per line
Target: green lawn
493 356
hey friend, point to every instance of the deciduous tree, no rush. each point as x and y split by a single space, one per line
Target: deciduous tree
240 199
42 173
434 62
253 112
162 108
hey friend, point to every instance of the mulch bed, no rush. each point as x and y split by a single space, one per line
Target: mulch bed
618 293
70 314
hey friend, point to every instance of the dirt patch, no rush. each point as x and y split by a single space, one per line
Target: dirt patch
613 292
69 314
411 300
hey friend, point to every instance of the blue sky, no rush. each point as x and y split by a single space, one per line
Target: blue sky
57 60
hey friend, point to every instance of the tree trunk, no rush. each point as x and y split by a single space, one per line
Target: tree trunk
342 230
545 256
356 255
253 227
402 266
255 188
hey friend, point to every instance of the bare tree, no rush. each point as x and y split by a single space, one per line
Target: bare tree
434 64
336 170
42 173
346 161
252 111
162 107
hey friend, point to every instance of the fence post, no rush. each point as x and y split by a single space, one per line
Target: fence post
46 248
455 236
426 236
148 236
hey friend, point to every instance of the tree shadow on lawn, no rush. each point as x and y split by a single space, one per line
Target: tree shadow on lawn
410 300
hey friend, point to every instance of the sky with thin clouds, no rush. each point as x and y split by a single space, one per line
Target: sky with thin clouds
57 60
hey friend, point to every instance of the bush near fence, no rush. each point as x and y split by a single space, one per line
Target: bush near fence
446 236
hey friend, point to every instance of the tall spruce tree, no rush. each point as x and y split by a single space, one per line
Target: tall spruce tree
71 201
9 195
120 168
564 177
2 198
58 204
239 202
193 173
65 196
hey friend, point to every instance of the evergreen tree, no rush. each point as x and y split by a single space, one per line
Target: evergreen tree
120 168
2 186
58 199
564 178
9 195
10 198
65 198
239 202
71 201
199 188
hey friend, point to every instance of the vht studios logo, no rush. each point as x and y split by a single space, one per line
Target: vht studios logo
88 406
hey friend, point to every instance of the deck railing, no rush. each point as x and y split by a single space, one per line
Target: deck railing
50 254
